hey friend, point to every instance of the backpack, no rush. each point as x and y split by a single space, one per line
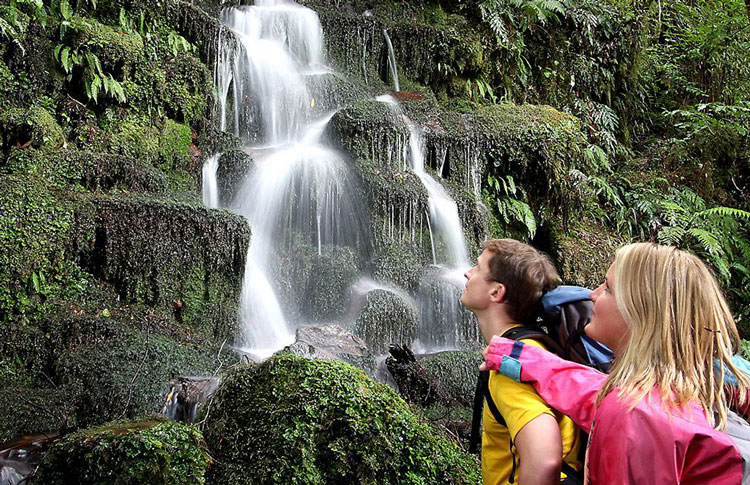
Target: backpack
737 426
566 312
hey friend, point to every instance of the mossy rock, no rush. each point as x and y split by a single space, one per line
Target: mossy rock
36 224
317 285
367 129
401 264
150 450
234 166
585 253
128 376
187 259
29 409
296 420
35 127
96 172
457 371
113 45
385 319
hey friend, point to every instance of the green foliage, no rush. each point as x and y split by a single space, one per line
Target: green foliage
79 58
328 423
508 200
700 53
147 451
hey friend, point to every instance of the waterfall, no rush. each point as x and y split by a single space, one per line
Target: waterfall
299 191
391 61
444 219
210 185
444 321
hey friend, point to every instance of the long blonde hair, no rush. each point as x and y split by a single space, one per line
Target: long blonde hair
679 325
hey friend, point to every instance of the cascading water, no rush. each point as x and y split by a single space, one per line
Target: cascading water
443 317
298 189
210 184
299 196
392 61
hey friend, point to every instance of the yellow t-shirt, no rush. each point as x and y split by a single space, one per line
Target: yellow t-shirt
518 403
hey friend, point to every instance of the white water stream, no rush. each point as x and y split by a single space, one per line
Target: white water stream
392 61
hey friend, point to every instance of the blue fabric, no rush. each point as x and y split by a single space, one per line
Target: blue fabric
741 364
597 353
516 351
564 294
510 367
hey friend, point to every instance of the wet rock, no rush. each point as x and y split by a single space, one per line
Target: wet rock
316 421
150 450
332 342
457 371
189 253
387 318
187 396
234 166
417 384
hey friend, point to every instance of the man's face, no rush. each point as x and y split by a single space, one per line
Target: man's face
479 285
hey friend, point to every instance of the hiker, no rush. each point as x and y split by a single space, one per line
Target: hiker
534 444
658 416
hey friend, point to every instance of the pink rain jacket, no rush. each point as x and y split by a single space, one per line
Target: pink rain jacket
645 445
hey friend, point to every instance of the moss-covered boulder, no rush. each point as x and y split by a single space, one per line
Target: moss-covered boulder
186 259
457 371
402 264
584 253
150 450
97 172
296 420
386 318
35 127
317 285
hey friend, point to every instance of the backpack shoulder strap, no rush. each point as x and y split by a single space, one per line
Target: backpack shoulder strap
523 332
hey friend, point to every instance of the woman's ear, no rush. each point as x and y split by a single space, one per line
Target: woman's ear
497 294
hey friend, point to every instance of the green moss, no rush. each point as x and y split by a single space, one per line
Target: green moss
187 258
114 46
295 420
147 451
35 226
317 286
456 371
400 263
34 127
128 376
584 254
387 318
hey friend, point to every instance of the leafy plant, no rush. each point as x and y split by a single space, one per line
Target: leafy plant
94 78
508 201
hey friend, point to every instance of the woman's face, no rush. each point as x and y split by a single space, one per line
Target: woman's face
607 324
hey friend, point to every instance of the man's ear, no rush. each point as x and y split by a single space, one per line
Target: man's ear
498 292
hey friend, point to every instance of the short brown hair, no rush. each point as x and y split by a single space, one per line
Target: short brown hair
527 274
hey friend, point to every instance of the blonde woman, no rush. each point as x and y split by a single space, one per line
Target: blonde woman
658 416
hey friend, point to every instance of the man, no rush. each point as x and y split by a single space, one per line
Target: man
504 290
